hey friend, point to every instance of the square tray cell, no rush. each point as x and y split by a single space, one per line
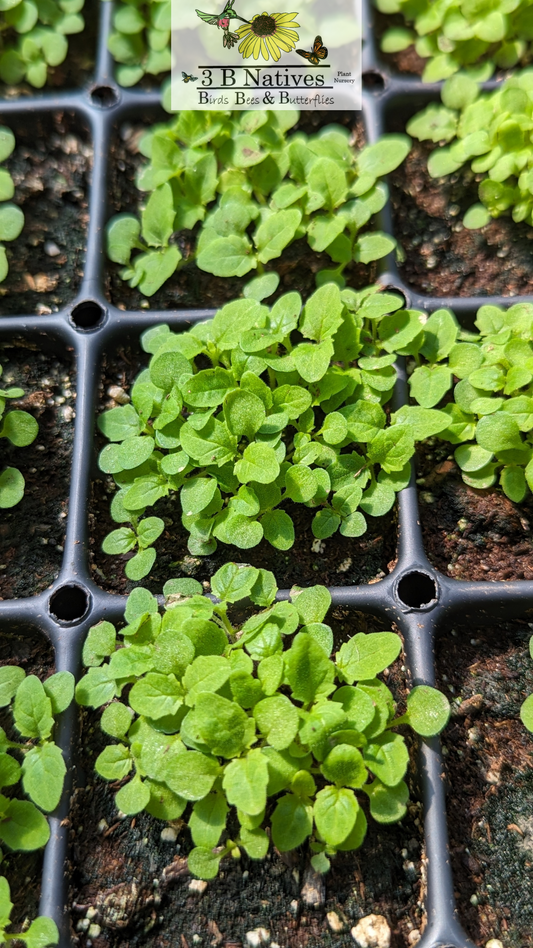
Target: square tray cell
190 286
487 672
32 532
125 865
337 561
442 258
50 167
74 71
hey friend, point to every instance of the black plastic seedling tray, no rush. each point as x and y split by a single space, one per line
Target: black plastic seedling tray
419 599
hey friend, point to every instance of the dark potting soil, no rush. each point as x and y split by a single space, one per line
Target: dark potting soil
469 533
77 68
337 561
50 168
125 861
32 532
194 288
489 764
442 258
23 869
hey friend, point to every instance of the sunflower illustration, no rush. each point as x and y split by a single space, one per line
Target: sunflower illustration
269 34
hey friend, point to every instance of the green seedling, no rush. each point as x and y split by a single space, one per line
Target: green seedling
21 429
255 716
140 41
491 416
290 409
41 933
453 34
491 133
11 216
35 37
33 705
254 191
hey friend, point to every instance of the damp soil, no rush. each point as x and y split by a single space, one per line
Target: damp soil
50 167
337 561
159 908
488 673
194 288
468 533
442 258
23 870
32 533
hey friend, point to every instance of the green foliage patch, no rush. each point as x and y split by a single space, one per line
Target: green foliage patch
11 216
490 131
491 416
259 406
255 716
33 706
254 191
20 428
140 40
35 37
453 34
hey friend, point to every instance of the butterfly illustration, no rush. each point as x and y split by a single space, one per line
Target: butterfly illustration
318 52
187 78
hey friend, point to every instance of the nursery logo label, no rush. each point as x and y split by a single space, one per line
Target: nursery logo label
244 57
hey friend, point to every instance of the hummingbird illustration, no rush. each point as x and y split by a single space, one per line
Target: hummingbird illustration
222 20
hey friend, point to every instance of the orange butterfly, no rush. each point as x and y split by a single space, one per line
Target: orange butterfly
318 52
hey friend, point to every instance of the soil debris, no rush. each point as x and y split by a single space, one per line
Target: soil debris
442 258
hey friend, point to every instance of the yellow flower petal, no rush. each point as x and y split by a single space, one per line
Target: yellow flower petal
274 49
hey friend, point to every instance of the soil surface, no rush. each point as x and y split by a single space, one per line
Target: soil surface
442 258
77 68
489 763
23 870
469 533
160 909
190 287
50 168
337 561
32 532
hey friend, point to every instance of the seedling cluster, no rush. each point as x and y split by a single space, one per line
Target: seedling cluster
269 189
140 41
491 132
35 37
20 428
254 716
240 417
23 825
11 216
491 415
454 34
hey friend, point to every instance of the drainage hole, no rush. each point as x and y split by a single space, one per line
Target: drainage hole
88 314
69 603
417 589
373 81
104 96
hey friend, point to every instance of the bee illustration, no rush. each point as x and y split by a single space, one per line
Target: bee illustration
187 78
317 53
